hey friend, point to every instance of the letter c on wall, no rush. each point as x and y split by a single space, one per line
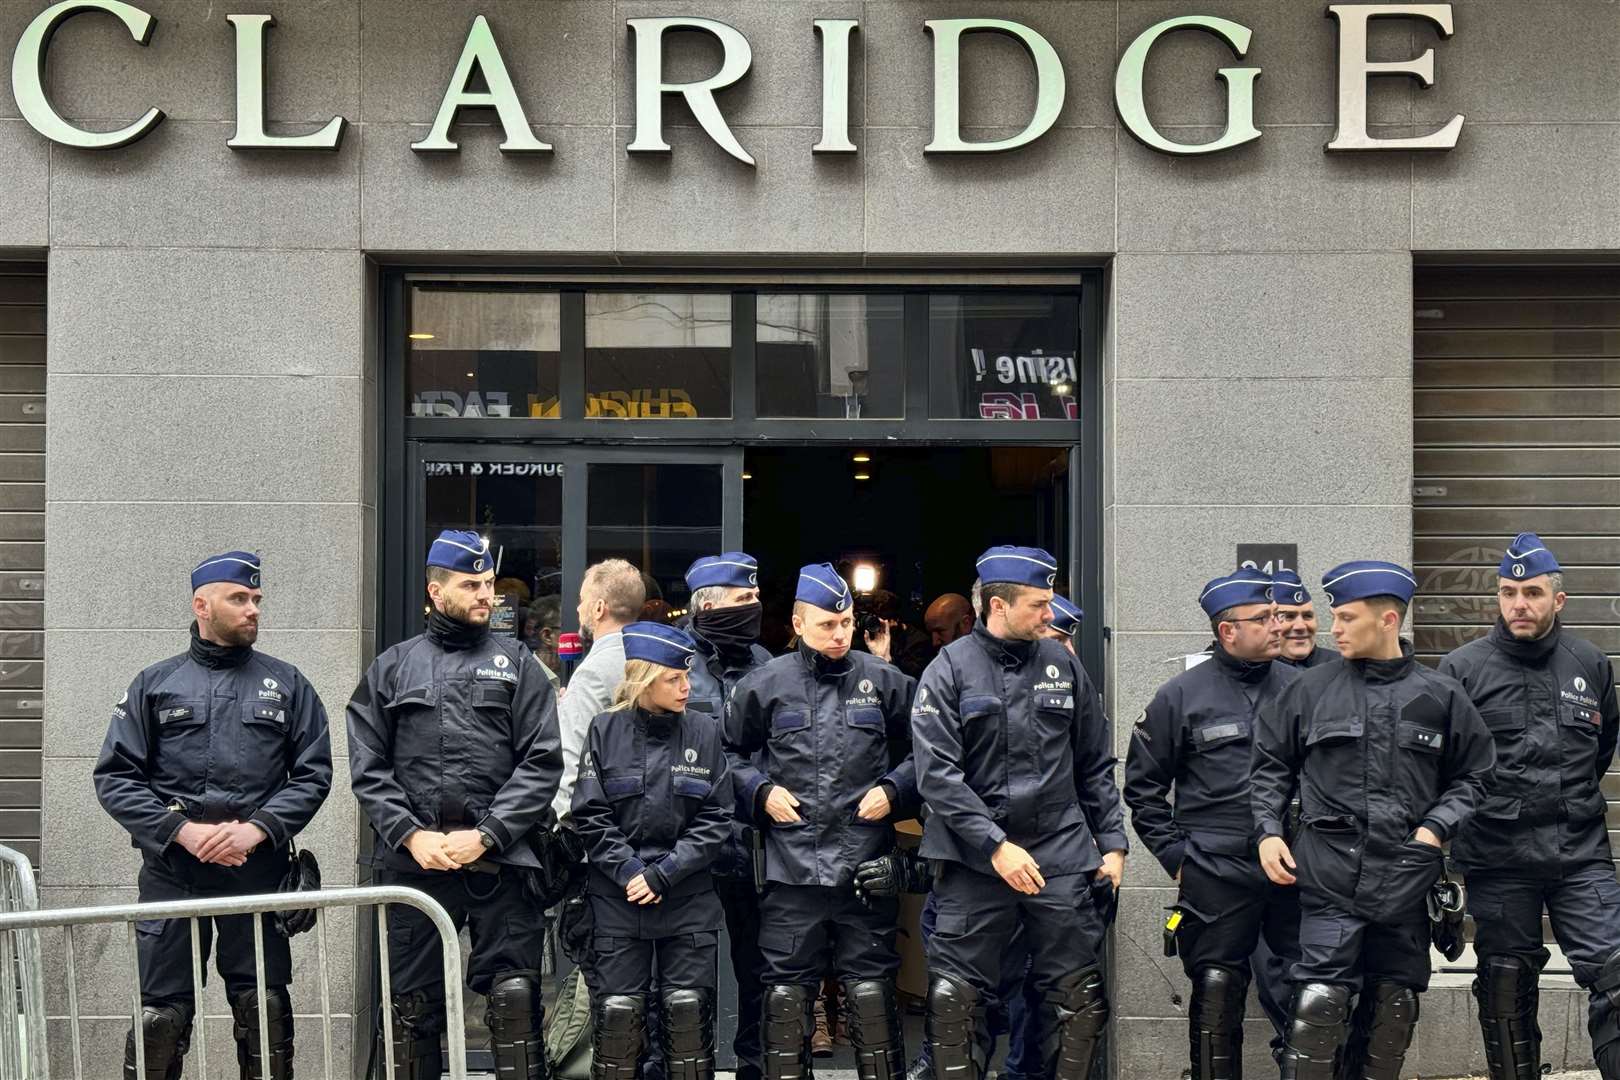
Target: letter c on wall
28 75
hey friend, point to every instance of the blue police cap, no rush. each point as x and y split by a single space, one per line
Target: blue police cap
1242 586
1018 566
820 586
1286 588
1065 616
237 567
658 643
1365 578
463 552
733 569
1527 557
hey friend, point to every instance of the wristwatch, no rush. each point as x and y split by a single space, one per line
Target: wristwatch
487 837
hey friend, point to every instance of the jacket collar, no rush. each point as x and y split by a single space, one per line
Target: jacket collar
1528 652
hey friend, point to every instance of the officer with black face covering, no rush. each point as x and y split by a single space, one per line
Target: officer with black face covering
725 627
1187 784
1298 617
455 758
653 805
819 747
214 760
1390 759
1014 761
1540 841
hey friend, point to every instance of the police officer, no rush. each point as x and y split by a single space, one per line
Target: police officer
725 623
1065 623
215 759
653 805
1014 762
819 746
455 757
1194 742
1540 840
1390 759
1298 617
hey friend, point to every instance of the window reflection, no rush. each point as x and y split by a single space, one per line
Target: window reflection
657 355
1004 356
483 353
830 356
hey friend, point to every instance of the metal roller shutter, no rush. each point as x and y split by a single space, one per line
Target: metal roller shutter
22 551
1516 425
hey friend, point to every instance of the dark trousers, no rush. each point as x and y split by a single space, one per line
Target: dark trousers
638 948
977 918
1338 947
1584 908
809 931
1018 1007
1231 907
741 903
508 931
163 946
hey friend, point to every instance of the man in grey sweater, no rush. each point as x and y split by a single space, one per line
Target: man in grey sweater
610 598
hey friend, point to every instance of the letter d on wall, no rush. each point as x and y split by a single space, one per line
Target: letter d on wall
1050 86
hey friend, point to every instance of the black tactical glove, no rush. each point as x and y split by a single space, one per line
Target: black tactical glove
887 876
1105 898
303 875
1447 903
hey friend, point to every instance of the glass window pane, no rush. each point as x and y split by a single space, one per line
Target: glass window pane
1004 356
830 355
657 355
482 353
518 506
658 516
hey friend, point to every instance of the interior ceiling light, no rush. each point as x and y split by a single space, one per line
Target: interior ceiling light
861 457
420 335
748 476
863 476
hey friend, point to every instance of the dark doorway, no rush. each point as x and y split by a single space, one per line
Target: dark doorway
918 516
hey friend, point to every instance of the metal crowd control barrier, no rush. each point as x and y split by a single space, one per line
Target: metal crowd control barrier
26 924
22 1035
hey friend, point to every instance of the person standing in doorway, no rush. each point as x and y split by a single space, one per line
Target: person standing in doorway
820 749
1187 784
1015 762
610 598
454 757
725 624
1540 841
949 617
1390 760
214 760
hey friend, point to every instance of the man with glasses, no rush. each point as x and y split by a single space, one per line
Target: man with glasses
1186 782
1298 617
1540 842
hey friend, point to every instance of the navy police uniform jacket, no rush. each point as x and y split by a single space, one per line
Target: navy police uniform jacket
1196 739
828 731
1012 744
1378 748
653 798
1550 707
215 735
713 677
455 730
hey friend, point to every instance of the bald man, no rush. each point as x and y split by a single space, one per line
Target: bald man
948 618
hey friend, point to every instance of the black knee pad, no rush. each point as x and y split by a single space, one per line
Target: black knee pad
1316 1032
515 1029
1388 1035
618 1036
1506 985
954 1017
278 1021
1219 998
785 1039
418 1021
687 1018
1081 1005
1608 980
1507 991
165 1036
873 1024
